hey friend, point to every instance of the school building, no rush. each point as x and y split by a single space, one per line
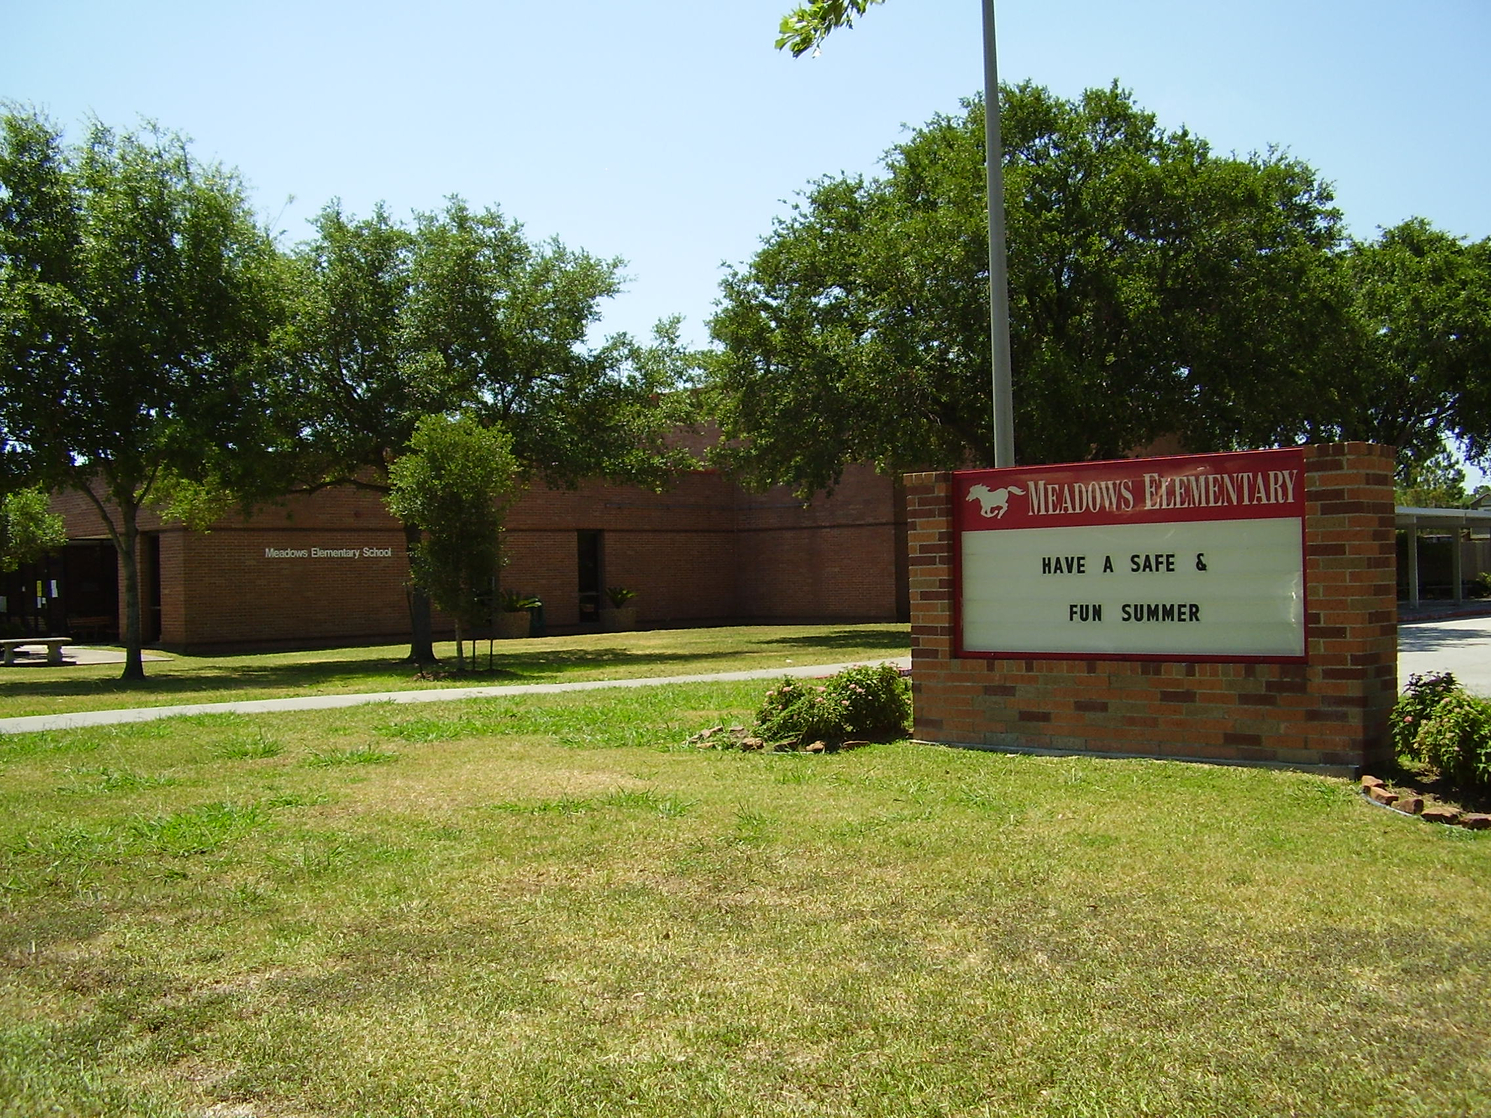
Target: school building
331 567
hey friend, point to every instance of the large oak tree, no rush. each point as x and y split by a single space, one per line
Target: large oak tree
137 296
1419 371
1156 289
462 312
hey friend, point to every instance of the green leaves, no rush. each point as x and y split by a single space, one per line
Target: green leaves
455 483
1155 289
138 297
28 528
1421 316
462 312
805 28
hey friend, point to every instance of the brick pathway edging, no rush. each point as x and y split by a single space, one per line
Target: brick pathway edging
1376 792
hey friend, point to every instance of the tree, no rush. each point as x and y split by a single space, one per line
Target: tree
462 313
137 296
1156 289
361 389
1420 313
28 528
805 28
1395 330
455 482
1437 481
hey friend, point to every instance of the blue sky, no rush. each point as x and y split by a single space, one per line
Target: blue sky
670 132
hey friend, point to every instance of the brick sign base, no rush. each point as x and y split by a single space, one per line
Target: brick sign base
1330 712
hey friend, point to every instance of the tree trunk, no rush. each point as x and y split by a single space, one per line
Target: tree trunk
460 651
421 642
127 544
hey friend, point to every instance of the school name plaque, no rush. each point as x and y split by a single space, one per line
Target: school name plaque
1196 557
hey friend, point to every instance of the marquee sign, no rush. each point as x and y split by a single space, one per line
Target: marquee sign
1192 558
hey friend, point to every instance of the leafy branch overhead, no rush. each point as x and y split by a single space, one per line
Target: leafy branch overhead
805 28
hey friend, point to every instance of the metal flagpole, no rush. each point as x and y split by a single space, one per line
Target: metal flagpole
999 299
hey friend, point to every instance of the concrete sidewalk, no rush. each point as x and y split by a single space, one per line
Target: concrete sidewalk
33 723
1458 644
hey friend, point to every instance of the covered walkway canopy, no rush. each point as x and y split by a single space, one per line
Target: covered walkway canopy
1444 521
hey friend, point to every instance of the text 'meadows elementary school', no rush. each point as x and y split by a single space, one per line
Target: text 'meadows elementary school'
328 553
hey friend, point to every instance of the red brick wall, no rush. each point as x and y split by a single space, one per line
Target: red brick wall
1329 711
703 551
838 558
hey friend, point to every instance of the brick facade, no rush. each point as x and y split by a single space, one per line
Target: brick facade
705 551
1331 711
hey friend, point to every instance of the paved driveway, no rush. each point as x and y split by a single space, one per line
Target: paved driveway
1461 646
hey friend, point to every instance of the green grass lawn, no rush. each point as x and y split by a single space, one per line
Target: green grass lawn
36 689
546 906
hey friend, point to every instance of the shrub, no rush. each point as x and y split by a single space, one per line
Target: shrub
1416 706
513 601
1456 740
862 701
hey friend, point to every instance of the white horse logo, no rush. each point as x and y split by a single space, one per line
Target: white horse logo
994 502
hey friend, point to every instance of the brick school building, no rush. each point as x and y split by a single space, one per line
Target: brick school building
331 567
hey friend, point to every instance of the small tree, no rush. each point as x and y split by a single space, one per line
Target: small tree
455 482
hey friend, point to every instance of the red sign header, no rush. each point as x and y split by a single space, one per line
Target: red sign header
1247 485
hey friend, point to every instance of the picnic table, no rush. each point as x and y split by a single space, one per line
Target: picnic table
54 647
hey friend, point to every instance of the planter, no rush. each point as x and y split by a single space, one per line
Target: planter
618 619
514 626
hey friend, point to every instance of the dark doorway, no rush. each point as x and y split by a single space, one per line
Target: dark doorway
90 590
591 554
150 589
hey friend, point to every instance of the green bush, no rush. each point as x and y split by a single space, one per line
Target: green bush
1416 706
1437 723
862 701
1456 740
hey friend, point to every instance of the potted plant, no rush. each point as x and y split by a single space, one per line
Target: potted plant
620 616
513 618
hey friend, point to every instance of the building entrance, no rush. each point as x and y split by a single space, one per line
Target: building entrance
591 580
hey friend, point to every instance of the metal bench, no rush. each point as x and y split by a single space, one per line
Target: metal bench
54 647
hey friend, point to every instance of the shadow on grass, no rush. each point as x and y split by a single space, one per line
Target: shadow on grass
892 641
533 665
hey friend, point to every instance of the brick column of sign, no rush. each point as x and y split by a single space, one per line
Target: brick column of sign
1350 551
929 544
1330 711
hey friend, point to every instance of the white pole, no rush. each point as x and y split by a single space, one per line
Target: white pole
999 306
